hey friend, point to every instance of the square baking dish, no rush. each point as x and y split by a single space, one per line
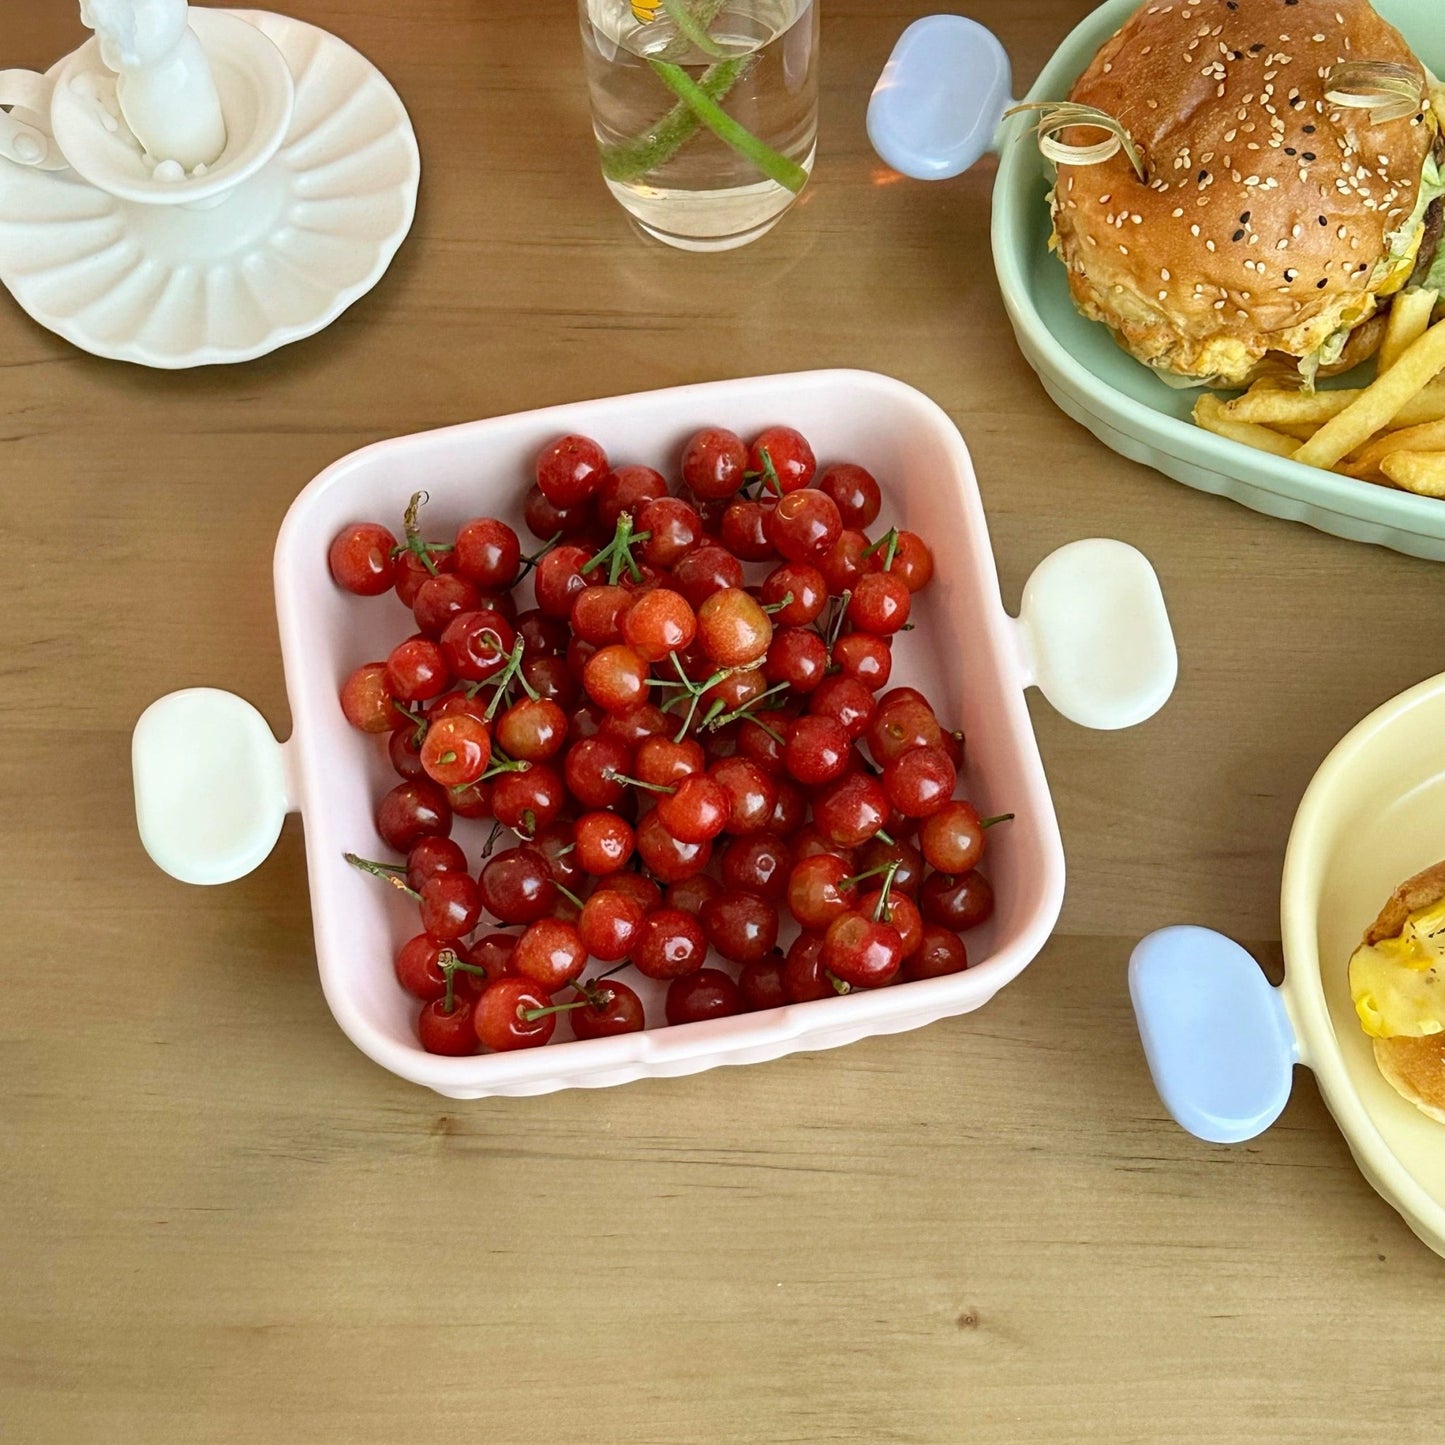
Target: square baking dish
213 785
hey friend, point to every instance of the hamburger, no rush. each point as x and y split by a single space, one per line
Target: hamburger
1397 982
1274 175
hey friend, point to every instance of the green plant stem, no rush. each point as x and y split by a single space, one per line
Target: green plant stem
779 168
695 27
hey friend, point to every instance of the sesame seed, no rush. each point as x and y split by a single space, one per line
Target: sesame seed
1238 236
1164 275
1177 212
1290 274
1321 283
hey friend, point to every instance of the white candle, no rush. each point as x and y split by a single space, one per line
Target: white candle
165 88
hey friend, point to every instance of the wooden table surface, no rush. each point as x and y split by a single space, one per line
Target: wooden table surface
220 1222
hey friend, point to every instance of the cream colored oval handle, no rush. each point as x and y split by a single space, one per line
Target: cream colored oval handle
210 785
25 134
1096 635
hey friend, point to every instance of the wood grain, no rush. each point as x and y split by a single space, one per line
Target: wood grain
218 1222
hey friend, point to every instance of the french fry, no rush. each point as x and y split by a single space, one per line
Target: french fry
1409 320
1428 437
1422 472
1380 402
1301 431
1270 406
1209 413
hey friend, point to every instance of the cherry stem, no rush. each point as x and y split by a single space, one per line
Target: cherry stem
745 711
567 893
838 985
611 775
531 1015
618 552
448 961
854 879
888 541
413 542
530 559
597 998
835 625
998 818
689 689
881 910
387 872
885 836
786 600
501 763
769 473
505 676
491 840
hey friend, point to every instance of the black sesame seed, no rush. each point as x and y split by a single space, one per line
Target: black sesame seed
1291 2
1323 221
1309 130
1232 5
1324 280
1203 175
1290 151
1256 47
1238 236
1297 101
1244 218
1308 156
1236 55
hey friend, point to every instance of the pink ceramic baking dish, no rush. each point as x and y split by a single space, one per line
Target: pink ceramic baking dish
213 785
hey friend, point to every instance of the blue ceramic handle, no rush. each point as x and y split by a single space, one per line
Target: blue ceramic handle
1217 1037
938 104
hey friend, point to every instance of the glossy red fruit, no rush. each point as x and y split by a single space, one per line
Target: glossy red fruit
714 463
798 657
412 811
673 529
604 842
547 523
804 525
697 811
744 531
529 800
474 801
845 564
610 923
862 952
808 842
627 489
803 978
517 886
956 902
741 926
758 863
597 613
450 905
476 644
493 953
570 470
451 1033
590 768
432 856
899 911
817 750
615 678
707 994
846 700
940 952
952 838
559 578
664 761
851 810
635 726
790 810
855 491
659 622
456 751
638 886
366 699
500 1015
920 781
361 559
785 454
752 794
797 591
416 671
912 562
439 599
817 890
542 635
612 1008
669 944
902 720
417 970
705 570
899 855
550 953
488 553
880 604
666 857
761 983
760 738
865 658
691 893
549 677
733 629
531 730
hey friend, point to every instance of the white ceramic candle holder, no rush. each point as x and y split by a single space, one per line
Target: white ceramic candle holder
131 256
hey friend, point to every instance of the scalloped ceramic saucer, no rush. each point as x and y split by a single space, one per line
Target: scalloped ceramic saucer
279 258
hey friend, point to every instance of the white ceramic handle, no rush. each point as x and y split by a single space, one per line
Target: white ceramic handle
937 106
1095 634
25 136
210 785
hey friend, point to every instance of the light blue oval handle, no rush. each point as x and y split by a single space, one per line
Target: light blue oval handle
1217 1037
938 104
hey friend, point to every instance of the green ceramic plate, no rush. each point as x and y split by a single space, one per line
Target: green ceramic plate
1122 402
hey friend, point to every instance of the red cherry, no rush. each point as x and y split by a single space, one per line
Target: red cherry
706 994
431 856
412 572
456 751
733 629
450 905
851 810
919 781
604 842
570 470
761 984
488 553
441 598
899 911
493 953
616 678
616 1010
952 838
446 1032
610 924
786 453
798 592
559 578
361 559
591 766
880 604
740 926
545 522
531 730
697 811
714 463
550 953
666 857
817 750
804 980
366 700
845 565
638 886
412 811
956 902
476 644
816 889
669 944
664 761
905 861
416 670
501 1015
865 658
939 952
798 657
804 525
691 893
530 799
862 952
855 491
752 794
517 886
744 531
597 613
673 529
417 970
706 570
758 863
659 622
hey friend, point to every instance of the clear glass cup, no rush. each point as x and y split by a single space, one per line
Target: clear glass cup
705 111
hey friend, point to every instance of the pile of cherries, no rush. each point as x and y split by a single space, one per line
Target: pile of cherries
680 753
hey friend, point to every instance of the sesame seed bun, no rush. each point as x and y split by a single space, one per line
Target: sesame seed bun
1414 1067
1263 225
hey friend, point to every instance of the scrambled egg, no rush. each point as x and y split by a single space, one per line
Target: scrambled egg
1398 984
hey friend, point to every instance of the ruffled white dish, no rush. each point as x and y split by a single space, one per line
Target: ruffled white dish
278 258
